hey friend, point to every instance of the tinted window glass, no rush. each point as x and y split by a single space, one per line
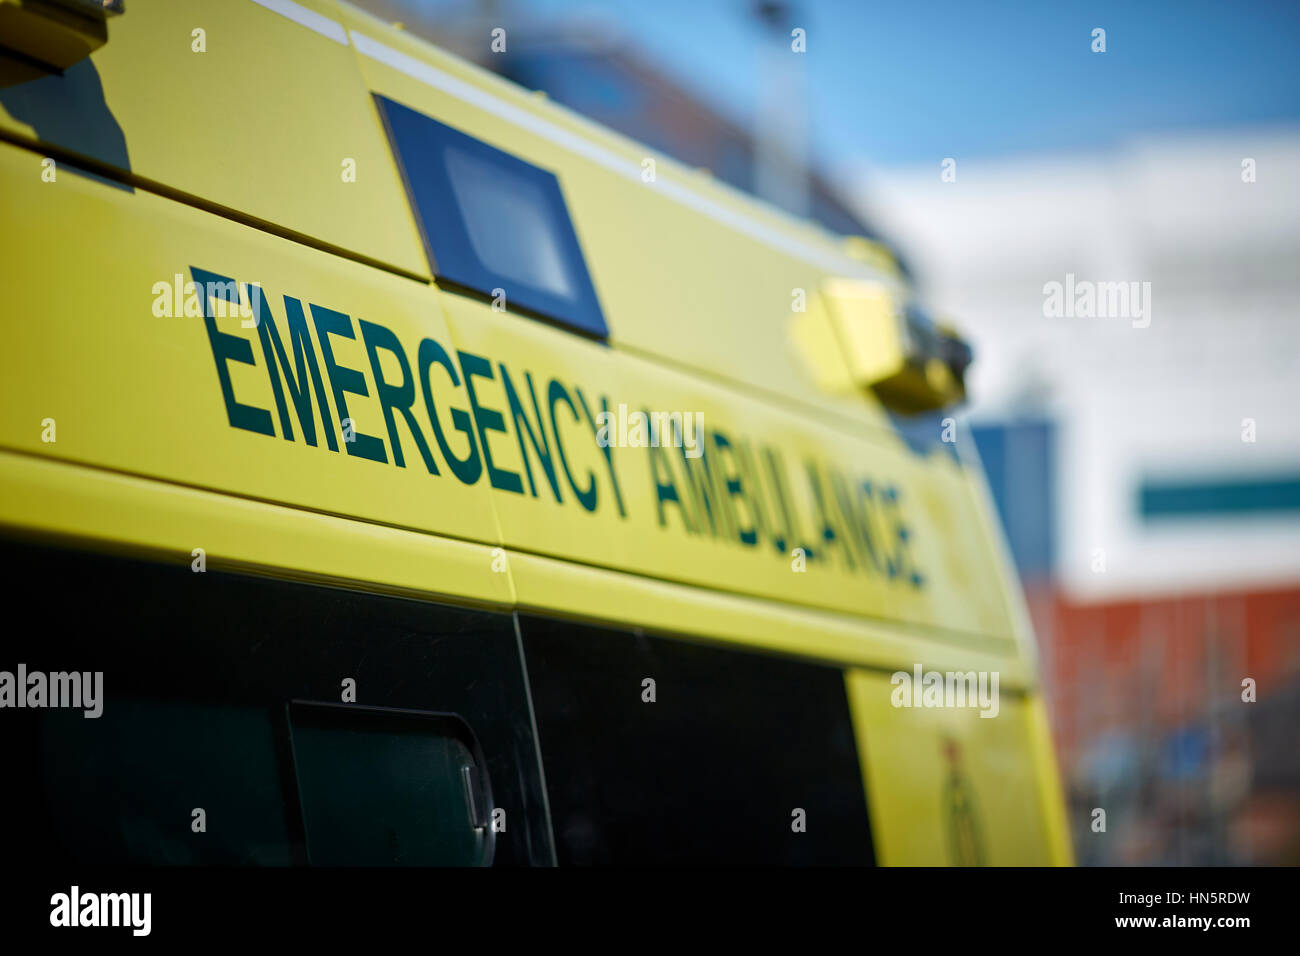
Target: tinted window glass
126 783
492 221
381 787
712 771
506 218
199 672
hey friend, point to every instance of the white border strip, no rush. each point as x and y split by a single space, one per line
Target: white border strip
307 18
629 169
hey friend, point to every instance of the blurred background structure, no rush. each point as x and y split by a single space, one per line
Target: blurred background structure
1147 475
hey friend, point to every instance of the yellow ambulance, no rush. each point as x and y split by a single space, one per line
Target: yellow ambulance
396 468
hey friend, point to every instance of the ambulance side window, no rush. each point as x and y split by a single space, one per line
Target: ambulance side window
660 751
251 721
493 224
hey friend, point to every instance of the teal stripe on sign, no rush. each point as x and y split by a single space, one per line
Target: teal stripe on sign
1159 500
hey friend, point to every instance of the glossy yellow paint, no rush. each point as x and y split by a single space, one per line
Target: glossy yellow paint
948 787
104 510
699 285
136 392
961 592
263 121
603 595
863 316
692 273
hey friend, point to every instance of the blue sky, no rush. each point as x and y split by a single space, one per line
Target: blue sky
900 82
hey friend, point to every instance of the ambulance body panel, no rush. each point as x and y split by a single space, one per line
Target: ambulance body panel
230 351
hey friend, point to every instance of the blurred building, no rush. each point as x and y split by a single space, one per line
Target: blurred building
1146 467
